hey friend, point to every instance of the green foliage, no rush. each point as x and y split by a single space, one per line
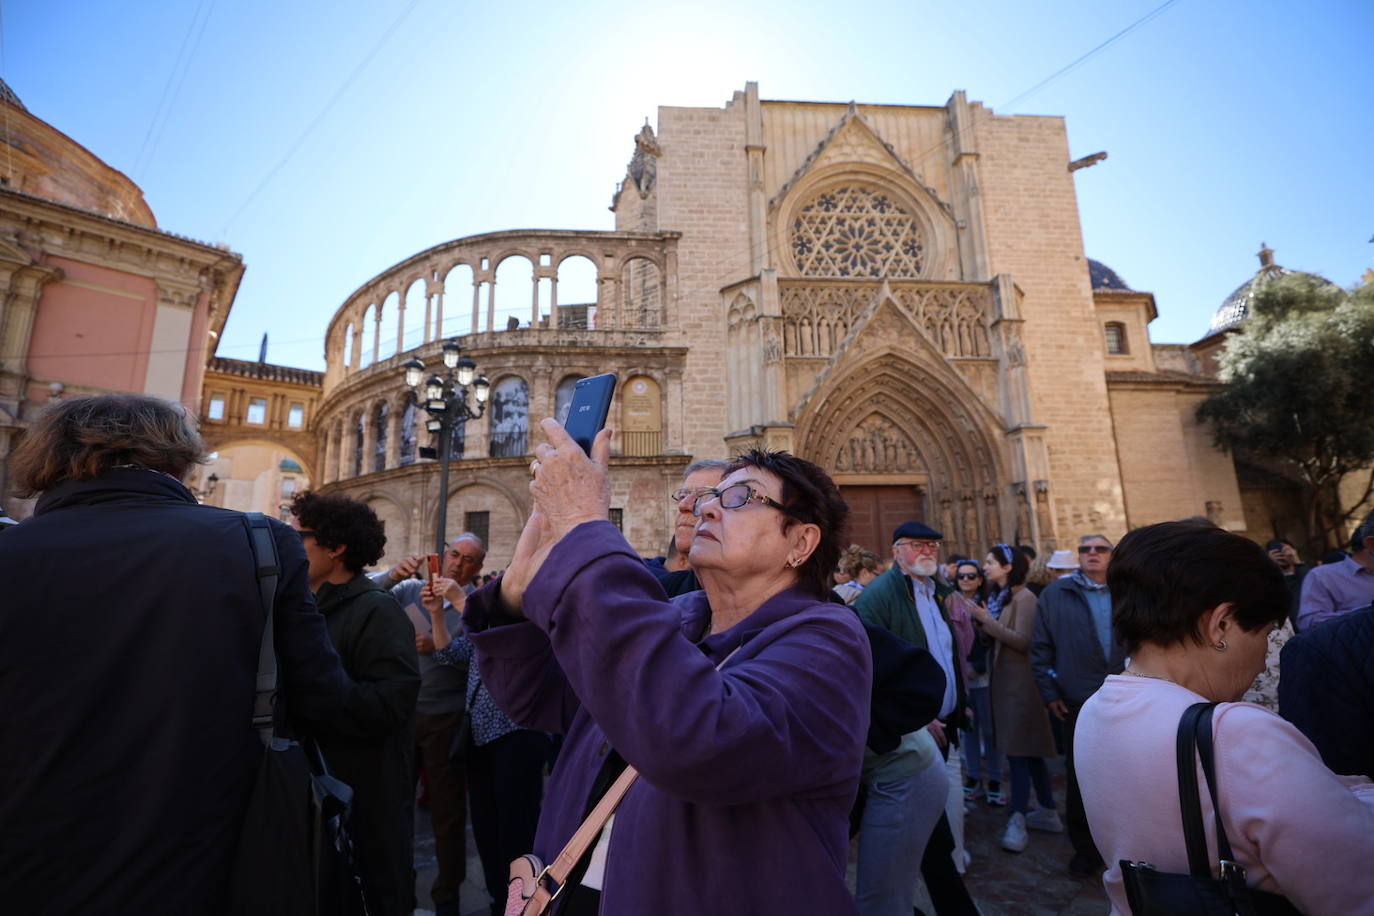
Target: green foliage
1299 380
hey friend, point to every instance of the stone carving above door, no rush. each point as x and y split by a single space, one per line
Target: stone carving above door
877 446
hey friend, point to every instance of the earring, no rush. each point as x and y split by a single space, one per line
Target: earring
1220 646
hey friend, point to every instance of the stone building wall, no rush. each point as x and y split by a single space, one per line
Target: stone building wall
1033 234
701 193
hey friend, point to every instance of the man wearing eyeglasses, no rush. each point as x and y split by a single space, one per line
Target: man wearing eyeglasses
908 600
674 574
1072 653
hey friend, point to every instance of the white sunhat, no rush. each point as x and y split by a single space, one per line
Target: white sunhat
1062 559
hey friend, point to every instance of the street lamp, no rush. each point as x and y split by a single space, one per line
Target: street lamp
208 487
445 398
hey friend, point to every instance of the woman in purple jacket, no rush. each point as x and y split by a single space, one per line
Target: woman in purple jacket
747 772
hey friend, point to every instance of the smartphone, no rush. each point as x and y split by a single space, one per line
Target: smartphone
591 403
433 566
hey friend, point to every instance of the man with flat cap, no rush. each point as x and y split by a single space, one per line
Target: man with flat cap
908 600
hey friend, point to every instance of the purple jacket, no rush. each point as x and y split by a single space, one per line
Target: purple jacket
747 774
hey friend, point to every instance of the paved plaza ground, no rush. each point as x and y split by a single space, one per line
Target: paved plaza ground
1035 882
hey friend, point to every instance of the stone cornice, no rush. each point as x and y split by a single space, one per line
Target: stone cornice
1139 380
65 231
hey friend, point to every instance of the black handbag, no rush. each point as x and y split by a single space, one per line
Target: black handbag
294 854
1150 892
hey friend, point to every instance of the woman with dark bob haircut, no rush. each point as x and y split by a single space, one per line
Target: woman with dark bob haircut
747 773
129 639
1194 605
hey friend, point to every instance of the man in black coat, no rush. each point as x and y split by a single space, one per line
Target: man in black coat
1326 689
129 637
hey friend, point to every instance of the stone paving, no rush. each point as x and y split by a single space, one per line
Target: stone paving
1034 883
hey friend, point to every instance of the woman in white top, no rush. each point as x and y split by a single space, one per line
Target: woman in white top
1194 605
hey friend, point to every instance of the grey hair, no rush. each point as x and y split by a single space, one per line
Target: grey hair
1096 537
469 536
706 464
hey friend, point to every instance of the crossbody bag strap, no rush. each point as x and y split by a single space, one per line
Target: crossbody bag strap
268 568
591 828
1199 863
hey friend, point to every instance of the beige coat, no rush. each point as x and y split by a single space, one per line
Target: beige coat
1020 723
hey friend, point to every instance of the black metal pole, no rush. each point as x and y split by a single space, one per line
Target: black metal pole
445 446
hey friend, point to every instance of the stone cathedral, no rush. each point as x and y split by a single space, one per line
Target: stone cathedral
898 293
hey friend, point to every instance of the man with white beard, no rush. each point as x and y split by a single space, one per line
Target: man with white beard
908 600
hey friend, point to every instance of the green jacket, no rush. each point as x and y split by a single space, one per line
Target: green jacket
887 602
370 743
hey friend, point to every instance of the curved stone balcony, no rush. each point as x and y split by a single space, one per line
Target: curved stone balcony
623 284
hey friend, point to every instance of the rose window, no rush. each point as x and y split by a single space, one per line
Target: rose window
854 231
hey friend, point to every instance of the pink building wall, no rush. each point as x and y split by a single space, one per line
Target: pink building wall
93 328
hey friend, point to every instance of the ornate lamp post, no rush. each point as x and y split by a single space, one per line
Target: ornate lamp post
208 488
446 401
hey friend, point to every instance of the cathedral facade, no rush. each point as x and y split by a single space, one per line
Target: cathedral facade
898 293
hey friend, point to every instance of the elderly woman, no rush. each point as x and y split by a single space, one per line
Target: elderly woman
1194 605
748 772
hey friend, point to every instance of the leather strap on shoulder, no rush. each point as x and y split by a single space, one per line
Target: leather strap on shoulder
1199 864
591 828
269 572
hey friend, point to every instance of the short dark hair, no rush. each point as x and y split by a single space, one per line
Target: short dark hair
342 522
1028 550
1165 577
1015 558
79 438
811 498
955 558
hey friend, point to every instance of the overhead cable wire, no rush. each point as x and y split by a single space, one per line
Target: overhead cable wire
315 122
1084 57
164 106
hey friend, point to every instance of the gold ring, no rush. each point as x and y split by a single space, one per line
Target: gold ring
534 466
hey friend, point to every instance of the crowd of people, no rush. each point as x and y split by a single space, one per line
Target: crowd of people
756 699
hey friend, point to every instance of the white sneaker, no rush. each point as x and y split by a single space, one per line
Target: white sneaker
1014 839
1046 819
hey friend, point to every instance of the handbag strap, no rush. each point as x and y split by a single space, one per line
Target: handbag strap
591 828
268 568
1204 747
1199 864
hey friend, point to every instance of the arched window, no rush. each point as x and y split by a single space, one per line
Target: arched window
510 417
642 286
379 418
1116 338
641 417
408 439
562 398
359 434
856 231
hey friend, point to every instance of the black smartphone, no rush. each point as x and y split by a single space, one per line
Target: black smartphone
591 403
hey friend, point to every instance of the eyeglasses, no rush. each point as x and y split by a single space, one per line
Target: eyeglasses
734 497
920 546
969 576
1094 548
682 493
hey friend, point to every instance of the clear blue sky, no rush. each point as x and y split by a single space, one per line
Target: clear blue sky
1227 123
